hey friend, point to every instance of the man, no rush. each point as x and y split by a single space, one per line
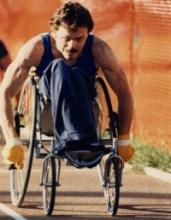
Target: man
67 58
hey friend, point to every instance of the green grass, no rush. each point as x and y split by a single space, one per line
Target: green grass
147 155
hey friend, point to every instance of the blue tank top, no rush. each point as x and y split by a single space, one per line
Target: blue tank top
85 62
47 56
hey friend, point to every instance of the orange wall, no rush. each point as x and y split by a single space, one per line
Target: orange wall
152 72
138 31
20 20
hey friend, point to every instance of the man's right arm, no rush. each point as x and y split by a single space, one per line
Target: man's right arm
15 76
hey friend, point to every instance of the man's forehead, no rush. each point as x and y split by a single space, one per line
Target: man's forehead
66 29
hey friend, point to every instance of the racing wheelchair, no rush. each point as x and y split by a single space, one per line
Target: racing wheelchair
37 134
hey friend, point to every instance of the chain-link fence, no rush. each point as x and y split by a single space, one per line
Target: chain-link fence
139 33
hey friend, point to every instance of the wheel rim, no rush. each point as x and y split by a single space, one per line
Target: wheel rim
26 129
102 112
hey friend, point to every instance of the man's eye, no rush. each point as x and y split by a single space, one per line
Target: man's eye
66 38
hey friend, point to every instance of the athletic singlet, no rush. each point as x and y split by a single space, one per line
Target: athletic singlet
85 61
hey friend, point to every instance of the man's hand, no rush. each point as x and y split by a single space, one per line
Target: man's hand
125 150
13 153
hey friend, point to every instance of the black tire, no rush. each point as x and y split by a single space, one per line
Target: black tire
49 184
106 124
112 184
26 128
106 127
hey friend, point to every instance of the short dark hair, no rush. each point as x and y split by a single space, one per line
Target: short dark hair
74 15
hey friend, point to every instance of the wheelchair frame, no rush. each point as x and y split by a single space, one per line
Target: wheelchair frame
110 170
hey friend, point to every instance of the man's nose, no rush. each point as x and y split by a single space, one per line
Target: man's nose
72 44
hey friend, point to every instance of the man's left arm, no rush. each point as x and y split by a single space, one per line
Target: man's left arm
115 76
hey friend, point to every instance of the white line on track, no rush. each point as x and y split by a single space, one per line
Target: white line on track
11 212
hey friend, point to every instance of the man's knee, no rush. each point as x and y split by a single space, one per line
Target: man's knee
59 66
60 75
53 73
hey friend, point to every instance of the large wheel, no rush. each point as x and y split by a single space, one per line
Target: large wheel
105 123
107 130
26 128
106 127
49 184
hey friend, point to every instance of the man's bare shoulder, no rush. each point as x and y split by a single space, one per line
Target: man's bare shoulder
100 44
102 53
31 52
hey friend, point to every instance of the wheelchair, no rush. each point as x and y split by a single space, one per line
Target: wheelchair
37 135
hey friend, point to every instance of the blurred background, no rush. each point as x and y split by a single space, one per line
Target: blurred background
139 32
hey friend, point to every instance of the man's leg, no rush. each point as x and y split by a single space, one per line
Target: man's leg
71 105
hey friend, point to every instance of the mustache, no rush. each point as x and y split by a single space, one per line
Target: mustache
73 51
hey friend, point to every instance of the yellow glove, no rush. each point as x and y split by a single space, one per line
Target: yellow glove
125 150
13 153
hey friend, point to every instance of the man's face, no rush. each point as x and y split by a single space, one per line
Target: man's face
70 42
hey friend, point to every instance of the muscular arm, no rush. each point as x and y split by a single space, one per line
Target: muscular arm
116 78
15 76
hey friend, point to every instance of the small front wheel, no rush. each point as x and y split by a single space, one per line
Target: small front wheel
49 184
112 183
